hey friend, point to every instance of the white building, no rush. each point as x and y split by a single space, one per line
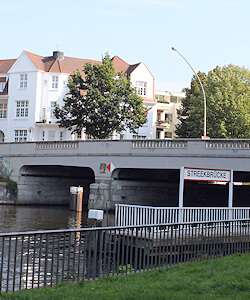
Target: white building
167 105
31 84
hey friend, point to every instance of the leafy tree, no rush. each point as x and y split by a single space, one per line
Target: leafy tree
228 105
101 103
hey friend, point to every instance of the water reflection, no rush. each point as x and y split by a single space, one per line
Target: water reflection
18 218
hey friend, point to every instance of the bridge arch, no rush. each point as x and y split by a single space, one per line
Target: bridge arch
50 184
160 187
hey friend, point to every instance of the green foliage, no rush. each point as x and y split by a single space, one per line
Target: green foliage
11 186
223 278
228 105
101 103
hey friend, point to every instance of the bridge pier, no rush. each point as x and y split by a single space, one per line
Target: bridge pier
105 194
48 191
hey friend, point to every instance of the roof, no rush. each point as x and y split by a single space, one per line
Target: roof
65 65
6 64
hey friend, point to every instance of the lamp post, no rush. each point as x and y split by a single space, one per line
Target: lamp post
204 96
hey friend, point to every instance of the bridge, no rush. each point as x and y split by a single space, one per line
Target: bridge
142 172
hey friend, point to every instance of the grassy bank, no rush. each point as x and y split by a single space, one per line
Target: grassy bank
224 278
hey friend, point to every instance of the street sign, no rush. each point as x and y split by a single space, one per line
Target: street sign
207 174
110 167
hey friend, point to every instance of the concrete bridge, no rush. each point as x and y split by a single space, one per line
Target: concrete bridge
144 172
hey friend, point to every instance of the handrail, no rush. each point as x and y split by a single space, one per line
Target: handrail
130 215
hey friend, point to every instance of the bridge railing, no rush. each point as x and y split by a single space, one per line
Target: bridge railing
57 145
183 143
43 258
131 215
159 144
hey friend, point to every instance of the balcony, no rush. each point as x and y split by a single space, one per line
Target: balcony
163 123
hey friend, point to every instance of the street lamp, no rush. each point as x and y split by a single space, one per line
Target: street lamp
204 96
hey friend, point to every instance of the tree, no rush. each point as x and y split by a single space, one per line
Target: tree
101 103
228 105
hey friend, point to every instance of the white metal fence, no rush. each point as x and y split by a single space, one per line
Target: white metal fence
131 215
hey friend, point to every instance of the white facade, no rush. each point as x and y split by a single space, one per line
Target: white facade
167 105
33 90
143 81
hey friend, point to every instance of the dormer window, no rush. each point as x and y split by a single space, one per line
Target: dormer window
141 88
23 81
54 82
2 86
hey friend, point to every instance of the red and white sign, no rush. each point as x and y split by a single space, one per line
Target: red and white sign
207 174
110 167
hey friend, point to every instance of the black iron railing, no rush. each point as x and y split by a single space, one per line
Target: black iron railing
44 258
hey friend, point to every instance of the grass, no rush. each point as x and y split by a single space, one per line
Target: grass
223 278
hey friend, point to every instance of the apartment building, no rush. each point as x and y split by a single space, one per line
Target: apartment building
167 105
31 85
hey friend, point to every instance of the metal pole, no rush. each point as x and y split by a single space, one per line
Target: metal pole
203 91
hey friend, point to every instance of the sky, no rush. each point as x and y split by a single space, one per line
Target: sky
208 33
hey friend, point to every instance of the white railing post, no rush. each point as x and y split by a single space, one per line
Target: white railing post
230 196
181 190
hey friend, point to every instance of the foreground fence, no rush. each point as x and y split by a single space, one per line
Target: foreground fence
36 259
131 215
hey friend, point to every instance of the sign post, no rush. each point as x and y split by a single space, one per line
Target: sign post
181 192
198 174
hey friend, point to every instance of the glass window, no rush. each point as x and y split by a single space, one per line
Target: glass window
2 86
61 135
52 107
54 82
20 135
3 110
139 137
22 109
141 88
23 81
43 135
173 99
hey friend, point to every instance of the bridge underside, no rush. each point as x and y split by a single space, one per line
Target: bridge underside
153 187
51 184
161 188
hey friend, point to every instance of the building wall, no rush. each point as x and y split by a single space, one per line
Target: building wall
40 125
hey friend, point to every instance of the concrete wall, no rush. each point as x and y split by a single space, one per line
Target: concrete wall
148 156
49 191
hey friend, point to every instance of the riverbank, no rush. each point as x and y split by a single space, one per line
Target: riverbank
223 278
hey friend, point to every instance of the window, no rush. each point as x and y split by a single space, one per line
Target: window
43 135
20 135
22 109
168 135
79 135
3 110
23 81
2 86
52 107
61 135
44 113
54 82
169 117
173 99
139 137
141 88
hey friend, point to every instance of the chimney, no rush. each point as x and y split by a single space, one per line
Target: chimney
58 54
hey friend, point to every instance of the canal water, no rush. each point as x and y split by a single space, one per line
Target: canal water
19 218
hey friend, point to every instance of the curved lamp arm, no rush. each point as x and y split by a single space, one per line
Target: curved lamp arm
203 91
